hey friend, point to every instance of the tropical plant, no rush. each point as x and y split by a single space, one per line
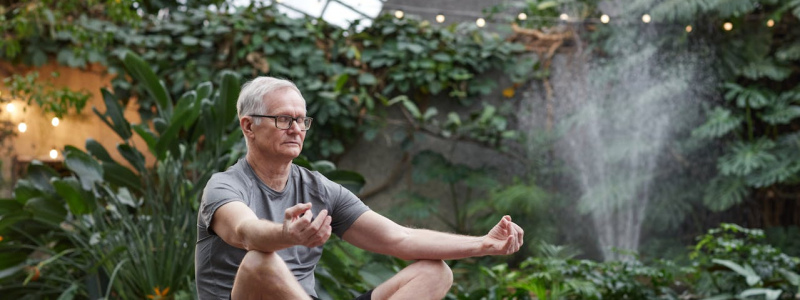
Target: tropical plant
122 230
733 262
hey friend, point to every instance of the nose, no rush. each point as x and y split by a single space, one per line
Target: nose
294 125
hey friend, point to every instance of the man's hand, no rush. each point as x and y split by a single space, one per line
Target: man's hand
504 238
299 229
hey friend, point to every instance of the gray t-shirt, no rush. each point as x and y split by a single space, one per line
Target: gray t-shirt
216 262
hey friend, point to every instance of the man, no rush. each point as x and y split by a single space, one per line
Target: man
262 223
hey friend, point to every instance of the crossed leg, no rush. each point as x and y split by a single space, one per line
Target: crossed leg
265 276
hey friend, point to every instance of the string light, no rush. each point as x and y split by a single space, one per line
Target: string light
480 22
22 127
522 16
398 14
728 26
55 121
688 28
440 18
770 23
11 108
564 17
646 18
54 153
605 19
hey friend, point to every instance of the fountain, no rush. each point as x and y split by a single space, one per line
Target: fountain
617 118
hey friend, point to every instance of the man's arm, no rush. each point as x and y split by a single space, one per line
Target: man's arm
239 226
376 233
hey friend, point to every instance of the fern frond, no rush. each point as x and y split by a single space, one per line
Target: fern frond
724 192
781 114
745 157
789 52
681 10
752 97
794 6
777 172
720 122
734 8
765 68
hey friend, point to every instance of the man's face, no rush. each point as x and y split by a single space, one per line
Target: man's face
281 143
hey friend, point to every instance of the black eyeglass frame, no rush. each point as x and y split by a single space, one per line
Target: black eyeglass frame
306 121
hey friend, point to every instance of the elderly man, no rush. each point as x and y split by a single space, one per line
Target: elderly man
262 223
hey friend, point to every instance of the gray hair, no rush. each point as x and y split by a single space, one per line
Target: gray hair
253 92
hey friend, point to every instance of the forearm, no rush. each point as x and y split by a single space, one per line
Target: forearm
428 244
261 235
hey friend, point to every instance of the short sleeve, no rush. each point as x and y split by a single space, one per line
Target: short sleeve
220 190
346 207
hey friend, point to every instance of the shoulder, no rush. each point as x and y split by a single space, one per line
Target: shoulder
235 176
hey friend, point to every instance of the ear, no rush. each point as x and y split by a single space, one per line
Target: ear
247 127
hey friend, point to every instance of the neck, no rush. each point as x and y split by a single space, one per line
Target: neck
274 174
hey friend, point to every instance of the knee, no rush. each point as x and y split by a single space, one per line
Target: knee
263 266
439 274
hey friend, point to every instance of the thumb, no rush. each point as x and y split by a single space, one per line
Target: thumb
296 210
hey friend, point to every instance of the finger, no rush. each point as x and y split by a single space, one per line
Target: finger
322 235
296 210
320 219
307 216
508 245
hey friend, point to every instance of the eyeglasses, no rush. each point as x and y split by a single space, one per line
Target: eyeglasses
284 122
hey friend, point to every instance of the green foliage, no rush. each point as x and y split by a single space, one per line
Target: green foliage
52 100
475 200
346 76
120 228
750 266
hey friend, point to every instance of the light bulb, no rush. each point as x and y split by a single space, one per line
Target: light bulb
688 28
398 14
11 108
55 121
440 18
522 16
646 18
605 19
22 127
563 17
770 23
54 153
728 26
480 22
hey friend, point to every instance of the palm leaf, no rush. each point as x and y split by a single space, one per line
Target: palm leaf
765 68
789 52
734 8
681 10
720 122
724 192
776 172
744 97
745 157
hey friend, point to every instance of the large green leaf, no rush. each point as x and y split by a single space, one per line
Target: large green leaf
88 170
47 210
113 112
142 72
720 122
121 176
78 200
744 158
750 275
228 95
724 192
97 150
133 156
